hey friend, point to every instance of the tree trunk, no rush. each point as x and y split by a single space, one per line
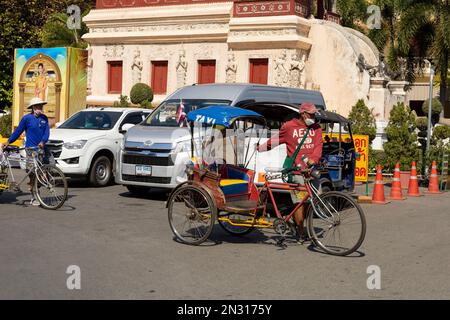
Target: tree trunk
443 73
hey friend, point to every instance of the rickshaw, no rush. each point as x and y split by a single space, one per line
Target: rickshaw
224 190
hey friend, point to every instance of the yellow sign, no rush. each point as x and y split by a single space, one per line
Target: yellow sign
362 152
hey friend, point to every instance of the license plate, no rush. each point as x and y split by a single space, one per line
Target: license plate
143 170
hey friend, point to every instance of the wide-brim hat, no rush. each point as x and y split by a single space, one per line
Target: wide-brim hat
35 102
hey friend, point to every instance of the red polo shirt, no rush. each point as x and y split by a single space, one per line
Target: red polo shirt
291 133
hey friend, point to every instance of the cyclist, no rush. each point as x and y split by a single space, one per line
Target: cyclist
291 134
37 132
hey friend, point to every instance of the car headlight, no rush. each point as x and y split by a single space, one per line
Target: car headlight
78 144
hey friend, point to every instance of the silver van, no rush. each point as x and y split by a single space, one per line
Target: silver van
154 152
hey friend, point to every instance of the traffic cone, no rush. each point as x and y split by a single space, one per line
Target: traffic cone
378 190
433 186
396 189
413 186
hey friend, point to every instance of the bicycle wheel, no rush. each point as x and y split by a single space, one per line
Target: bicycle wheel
191 214
50 187
337 225
235 230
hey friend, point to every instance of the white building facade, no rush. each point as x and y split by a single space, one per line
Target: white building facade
172 43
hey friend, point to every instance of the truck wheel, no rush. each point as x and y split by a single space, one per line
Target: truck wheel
138 190
101 172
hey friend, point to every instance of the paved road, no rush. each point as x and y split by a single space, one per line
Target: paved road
125 250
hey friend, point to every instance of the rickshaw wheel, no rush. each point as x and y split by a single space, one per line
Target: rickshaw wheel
339 225
235 230
192 214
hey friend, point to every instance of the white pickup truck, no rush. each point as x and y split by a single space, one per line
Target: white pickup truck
86 145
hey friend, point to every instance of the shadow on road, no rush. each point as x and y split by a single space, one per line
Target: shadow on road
155 195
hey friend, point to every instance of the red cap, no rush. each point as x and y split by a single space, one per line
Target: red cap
308 107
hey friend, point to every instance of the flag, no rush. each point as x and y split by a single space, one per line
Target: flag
181 115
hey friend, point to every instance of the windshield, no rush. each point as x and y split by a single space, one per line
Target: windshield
93 120
172 113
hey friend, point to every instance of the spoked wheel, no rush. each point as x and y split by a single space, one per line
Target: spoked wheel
192 214
50 187
235 230
338 225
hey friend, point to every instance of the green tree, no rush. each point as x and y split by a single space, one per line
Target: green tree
401 145
55 32
362 120
424 32
5 125
352 12
21 23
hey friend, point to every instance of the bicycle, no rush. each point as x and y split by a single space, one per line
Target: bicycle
48 183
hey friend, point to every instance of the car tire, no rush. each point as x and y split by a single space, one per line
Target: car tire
138 190
101 172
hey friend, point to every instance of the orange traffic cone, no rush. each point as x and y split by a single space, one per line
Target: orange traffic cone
413 186
378 190
396 189
433 186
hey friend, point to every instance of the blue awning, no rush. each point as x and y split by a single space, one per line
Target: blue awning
219 115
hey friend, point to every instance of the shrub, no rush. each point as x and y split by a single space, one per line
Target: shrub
422 123
122 103
146 104
441 133
436 107
141 93
362 120
376 157
402 140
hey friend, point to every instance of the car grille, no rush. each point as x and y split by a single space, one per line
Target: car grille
148 160
164 180
55 147
150 150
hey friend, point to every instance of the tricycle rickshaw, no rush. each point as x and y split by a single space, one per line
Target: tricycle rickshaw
220 190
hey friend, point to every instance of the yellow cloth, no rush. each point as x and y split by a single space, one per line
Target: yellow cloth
229 182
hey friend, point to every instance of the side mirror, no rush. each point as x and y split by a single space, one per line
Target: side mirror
126 127
58 124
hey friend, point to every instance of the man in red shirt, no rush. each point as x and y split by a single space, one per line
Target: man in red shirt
291 134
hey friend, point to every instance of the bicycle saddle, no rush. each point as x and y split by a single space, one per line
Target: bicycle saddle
11 148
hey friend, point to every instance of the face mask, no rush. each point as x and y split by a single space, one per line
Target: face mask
309 122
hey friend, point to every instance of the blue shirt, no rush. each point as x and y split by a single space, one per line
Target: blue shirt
36 128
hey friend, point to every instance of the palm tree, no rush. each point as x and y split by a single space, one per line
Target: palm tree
424 31
55 33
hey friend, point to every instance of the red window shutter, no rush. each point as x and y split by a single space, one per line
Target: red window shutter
114 76
206 71
258 70
159 77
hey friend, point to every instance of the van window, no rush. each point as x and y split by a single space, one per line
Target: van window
172 113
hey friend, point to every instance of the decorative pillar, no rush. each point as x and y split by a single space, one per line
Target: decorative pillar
21 98
58 86
379 98
398 94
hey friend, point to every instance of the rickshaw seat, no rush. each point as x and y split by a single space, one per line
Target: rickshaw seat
233 186
234 180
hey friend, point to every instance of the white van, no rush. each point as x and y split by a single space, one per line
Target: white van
154 152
